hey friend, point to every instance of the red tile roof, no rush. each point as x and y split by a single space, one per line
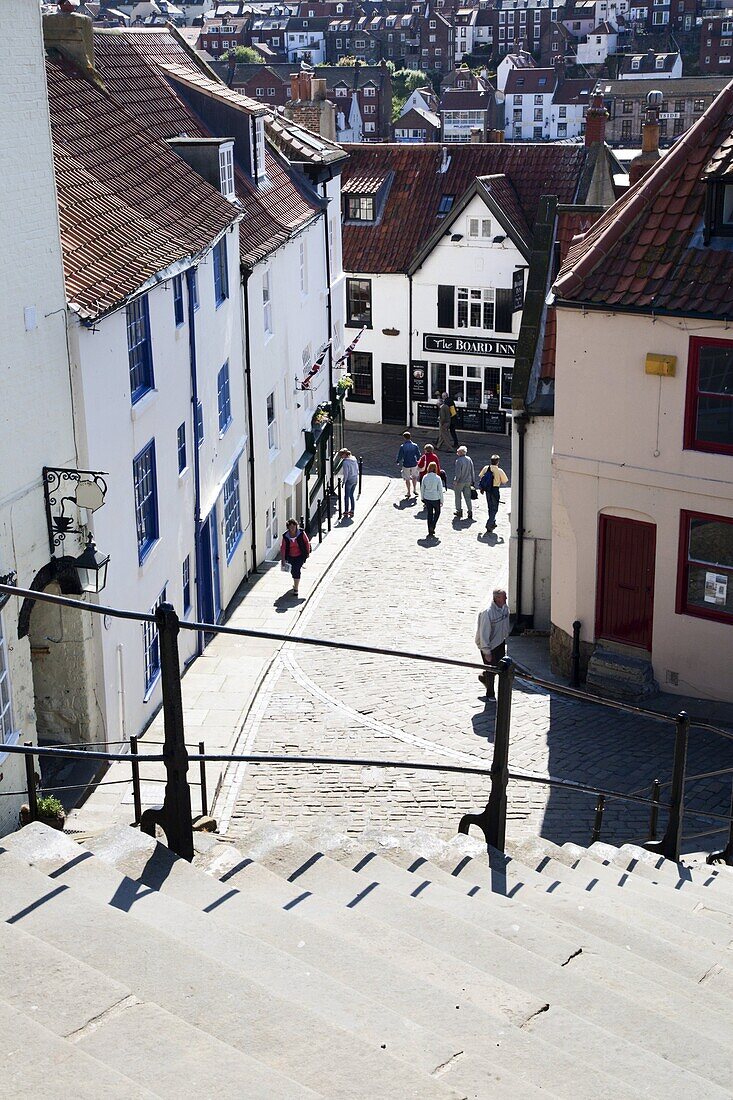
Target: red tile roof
140 69
129 207
646 252
530 81
411 210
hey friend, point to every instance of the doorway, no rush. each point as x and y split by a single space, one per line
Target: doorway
625 586
209 592
394 393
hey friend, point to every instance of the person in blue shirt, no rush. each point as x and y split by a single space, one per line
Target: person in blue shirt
407 458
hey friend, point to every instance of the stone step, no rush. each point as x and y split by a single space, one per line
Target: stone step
140 1043
715 902
609 956
430 988
294 979
289 1040
621 676
32 1057
637 911
439 918
699 874
687 911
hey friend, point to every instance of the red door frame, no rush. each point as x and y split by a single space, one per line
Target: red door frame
603 521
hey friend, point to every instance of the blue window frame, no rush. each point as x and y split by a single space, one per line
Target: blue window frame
195 288
181 447
199 423
178 299
224 398
186 577
232 512
221 273
151 646
146 499
139 348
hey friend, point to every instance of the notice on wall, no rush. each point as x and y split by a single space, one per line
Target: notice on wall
419 381
716 589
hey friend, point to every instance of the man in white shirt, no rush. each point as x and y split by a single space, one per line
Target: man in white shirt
492 631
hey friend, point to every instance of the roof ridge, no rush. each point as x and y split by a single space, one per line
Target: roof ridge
623 215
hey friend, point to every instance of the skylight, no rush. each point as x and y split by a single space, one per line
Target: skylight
445 205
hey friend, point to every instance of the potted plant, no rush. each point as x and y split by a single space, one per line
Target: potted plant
50 812
344 384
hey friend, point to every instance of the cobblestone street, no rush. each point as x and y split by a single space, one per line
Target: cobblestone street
394 588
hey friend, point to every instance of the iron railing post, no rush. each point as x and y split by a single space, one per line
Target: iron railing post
319 521
329 494
669 845
492 821
30 778
654 813
175 816
204 796
726 855
575 656
598 819
361 471
338 491
136 800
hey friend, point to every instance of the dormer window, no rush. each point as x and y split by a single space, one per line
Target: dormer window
660 62
719 210
360 208
226 170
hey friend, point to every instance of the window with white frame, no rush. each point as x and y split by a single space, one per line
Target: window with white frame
226 171
271 422
261 166
6 710
369 128
479 229
151 646
369 91
303 267
186 583
232 512
267 304
475 307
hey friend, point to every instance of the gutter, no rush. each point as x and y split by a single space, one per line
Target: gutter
190 273
246 273
329 314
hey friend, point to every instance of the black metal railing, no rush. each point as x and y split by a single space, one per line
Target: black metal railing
174 817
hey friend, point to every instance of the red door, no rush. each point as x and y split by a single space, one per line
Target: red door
625 589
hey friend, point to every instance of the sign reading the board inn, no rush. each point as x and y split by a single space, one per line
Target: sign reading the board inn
464 345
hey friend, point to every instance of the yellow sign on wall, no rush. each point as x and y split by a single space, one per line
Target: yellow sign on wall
660 364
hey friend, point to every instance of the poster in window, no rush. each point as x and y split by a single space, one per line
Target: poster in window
507 374
419 380
716 589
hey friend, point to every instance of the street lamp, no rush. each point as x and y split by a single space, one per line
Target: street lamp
91 567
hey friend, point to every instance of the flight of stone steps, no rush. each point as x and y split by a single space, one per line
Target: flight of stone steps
315 965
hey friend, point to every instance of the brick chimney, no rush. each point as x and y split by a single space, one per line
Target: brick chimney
308 105
649 139
595 121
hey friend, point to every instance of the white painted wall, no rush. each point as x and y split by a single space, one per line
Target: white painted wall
278 364
390 310
35 410
112 431
619 449
516 130
596 49
537 521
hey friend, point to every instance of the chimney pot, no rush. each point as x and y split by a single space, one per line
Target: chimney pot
595 121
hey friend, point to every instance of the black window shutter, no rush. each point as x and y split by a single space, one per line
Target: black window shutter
446 306
503 313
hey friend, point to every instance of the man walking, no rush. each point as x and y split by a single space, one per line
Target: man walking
408 457
463 479
443 442
492 631
491 478
453 417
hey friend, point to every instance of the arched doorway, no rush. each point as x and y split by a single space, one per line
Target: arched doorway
62 660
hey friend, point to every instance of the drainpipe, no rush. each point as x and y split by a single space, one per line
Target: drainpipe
521 421
409 350
190 276
250 418
329 311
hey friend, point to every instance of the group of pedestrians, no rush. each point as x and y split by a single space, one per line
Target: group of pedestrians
424 470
